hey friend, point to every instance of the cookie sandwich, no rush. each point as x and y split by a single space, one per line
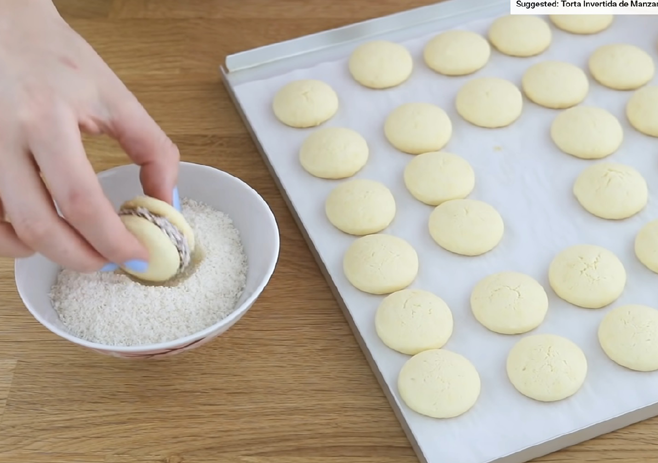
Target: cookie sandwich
164 232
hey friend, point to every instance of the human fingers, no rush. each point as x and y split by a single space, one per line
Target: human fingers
147 146
10 243
58 150
34 218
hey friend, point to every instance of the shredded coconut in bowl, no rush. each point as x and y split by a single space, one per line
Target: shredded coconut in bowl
114 309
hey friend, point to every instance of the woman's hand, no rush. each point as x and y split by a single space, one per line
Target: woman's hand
53 85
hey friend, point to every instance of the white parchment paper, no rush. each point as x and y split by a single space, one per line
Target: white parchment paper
521 173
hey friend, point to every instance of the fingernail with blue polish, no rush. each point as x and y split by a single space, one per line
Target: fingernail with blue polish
138 266
176 200
109 267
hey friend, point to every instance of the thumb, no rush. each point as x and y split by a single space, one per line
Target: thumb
147 146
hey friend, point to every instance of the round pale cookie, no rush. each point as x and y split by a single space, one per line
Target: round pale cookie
380 264
509 303
587 276
546 367
416 128
380 64
642 110
587 132
582 23
489 102
611 191
360 207
305 103
457 53
439 383
163 209
555 84
646 246
621 66
520 36
164 232
164 259
629 337
436 177
333 153
413 320
466 226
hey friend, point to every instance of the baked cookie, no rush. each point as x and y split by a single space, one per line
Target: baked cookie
546 367
416 128
164 232
413 320
582 23
587 276
489 102
360 207
646 246
629 336
611 190
466 226
305 103
438 176
380 264
587 132
380 64
642 110
439 383
621 66
334 153
520 35
457 53
509 303
555 84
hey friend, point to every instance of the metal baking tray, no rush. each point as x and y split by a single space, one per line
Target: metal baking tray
274 60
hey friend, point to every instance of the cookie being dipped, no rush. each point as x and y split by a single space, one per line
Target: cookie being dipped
164 232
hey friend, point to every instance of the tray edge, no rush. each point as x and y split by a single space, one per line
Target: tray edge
241 73
276 53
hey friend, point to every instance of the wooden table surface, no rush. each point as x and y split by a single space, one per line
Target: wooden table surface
288 383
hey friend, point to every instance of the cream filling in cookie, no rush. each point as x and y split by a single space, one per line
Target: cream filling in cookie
174 234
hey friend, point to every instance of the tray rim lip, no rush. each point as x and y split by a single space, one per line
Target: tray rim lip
233 75
355 32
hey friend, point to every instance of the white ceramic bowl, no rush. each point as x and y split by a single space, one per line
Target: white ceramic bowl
250 214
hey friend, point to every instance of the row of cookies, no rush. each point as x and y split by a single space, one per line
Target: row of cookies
584 275
493 102
381 64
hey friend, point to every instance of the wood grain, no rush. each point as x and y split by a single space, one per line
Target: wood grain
6 376
288 384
